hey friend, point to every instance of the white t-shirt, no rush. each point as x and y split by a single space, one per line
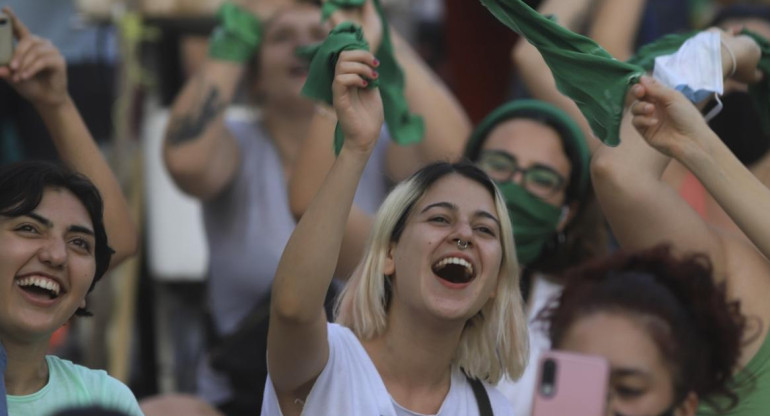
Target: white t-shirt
350 385
520 393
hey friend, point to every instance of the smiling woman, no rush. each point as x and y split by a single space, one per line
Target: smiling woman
53 250
432 309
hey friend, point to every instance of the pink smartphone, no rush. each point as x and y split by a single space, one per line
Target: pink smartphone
571 384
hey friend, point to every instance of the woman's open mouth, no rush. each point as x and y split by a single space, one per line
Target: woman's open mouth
39 286
454 270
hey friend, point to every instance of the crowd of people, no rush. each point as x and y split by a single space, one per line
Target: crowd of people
382 256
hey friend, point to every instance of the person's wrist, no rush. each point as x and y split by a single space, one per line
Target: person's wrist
238 35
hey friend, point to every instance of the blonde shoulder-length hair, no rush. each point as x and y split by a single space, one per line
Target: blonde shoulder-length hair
494 342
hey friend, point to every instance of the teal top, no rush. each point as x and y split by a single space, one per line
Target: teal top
71 385
752 383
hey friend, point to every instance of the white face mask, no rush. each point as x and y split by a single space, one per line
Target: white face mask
695 69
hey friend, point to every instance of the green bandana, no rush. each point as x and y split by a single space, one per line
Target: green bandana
323 61
534 220
572 137
238 35
405 128
583 70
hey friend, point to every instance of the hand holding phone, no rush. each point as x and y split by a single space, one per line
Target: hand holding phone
571 384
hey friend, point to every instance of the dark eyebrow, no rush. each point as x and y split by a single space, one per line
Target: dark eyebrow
43 220
627 372
448 205
486 214
452 207
81 229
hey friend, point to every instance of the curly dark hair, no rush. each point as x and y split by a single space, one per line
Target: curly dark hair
703 332
21 190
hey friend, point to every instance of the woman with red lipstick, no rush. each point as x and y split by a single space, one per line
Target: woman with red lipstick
432 307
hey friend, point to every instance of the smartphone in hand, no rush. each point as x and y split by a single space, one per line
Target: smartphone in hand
6 39
571 384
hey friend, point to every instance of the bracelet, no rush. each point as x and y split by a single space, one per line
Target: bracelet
732 56
238 35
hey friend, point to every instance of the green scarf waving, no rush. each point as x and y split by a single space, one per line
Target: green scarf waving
405 128
583 70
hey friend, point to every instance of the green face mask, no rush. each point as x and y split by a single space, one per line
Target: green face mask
534 220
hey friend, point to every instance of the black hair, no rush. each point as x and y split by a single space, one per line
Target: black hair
21 189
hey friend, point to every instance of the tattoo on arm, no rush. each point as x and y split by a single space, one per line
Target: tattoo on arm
190 127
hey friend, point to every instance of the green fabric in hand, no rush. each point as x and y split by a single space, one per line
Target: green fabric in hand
405 128
583 70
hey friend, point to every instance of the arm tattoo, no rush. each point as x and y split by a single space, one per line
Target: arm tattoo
190 127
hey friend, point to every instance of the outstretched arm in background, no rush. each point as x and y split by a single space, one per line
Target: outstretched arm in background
673 126
643 210
39 74
297 338
536 75
200 154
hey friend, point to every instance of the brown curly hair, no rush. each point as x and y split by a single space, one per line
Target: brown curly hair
703 336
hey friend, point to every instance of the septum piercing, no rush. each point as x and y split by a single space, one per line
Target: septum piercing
462 245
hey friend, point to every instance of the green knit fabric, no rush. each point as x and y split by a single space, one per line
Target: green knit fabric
238 35
323 60
405 128
583 70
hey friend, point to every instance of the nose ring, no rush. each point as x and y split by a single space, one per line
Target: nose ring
462 245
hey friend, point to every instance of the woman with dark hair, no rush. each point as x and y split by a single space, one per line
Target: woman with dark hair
670 334
433 306
54 242
53 250
643 211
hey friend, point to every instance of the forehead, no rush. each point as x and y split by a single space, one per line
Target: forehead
530 142
304 16
620 338
465 193
60 205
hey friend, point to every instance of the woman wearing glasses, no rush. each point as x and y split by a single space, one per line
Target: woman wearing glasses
538 157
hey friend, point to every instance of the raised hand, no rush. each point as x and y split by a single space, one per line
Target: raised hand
667 120
37 70
359 109
365 16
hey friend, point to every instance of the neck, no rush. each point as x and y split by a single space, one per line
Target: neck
414 360
287 130
26 371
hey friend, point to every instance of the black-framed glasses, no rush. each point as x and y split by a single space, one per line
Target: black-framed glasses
539 179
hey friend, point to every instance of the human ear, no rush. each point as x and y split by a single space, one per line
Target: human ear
390 265
688 405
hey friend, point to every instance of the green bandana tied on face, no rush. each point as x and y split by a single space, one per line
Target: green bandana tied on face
405 128
534 221
583 70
